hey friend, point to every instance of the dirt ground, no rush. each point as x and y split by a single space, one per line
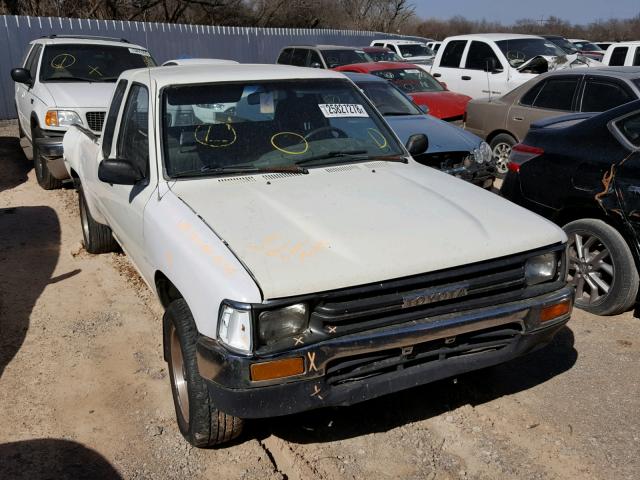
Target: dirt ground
84 391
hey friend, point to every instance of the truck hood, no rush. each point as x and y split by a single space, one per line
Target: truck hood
359 223
81 94
443 137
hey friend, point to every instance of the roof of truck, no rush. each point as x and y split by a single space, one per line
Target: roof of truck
496 37
85 40
192 74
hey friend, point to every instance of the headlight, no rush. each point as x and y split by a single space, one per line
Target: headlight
282 323
61 118
541 268
234 328
482 153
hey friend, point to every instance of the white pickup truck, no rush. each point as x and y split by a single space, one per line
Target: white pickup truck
304 259
65 80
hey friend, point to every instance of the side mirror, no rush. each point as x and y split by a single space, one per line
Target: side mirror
444 85
491 66
423 108
119 172
22 75
417 144
316 65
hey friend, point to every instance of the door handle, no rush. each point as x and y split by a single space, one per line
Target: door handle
518 119
465 77
437 75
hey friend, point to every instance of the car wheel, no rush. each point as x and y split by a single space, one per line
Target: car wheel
601 267
43 175
97 237
501 147
199 421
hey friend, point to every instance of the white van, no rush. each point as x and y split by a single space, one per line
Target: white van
623 54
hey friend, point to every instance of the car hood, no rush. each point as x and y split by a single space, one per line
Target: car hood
358 224
443 137
81 94
444 104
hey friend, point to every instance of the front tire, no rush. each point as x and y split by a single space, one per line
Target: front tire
601 267
201 424
97 237
43 175
501 146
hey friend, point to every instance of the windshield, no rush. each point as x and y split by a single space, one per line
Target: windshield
388 99
521 50
415 50
269 125
337 58
588 46
384 56
564 44
90 63
411 80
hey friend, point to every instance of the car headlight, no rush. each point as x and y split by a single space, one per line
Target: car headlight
61 118
482 153
234 328
541 268
285 322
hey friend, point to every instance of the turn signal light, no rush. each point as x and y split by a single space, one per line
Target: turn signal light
51 118
277 369
521 153
554 311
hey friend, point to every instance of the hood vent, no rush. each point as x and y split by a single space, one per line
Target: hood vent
342 168
376 164
237 179
274 176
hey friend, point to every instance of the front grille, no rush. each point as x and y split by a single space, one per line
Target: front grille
95 120
359 367
420 297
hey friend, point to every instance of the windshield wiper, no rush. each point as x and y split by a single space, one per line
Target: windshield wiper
332 154
396 114
73 79
206 171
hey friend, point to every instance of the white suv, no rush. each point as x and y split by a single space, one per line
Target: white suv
66 80
409 50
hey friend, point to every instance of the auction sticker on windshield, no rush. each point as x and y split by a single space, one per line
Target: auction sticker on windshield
139 51
333 110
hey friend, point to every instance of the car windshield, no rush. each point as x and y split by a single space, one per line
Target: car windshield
388 99
270 125
90 63
409 50
564 44
411 80
384 56
337 58
588 46
520 50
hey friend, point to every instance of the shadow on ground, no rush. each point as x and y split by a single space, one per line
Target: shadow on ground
420 403
48 458
14 166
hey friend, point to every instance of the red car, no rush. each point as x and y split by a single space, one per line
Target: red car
419 85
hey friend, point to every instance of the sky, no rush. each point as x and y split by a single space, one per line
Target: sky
508 11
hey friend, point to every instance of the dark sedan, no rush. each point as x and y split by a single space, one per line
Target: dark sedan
582 171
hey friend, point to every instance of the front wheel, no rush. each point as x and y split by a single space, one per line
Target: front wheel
501 147
43 175
200 422
97 237
601 267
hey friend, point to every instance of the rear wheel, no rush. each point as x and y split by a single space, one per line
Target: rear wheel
601 267
97 237
200 422
501 146
43 175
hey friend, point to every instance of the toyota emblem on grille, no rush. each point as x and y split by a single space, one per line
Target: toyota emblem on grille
430 296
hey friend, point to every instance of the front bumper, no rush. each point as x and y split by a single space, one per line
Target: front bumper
51 151
353 368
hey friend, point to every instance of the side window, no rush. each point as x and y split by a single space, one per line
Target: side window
529 97
452 54
32 61
314 59
378 44
285 56
636 58
479 56
618 56
600 95
133 138
112 117
299 57
630 128
557 94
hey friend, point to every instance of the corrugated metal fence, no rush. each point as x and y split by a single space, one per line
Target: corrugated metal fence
164 41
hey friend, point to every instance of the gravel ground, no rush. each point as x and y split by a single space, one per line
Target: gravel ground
84 391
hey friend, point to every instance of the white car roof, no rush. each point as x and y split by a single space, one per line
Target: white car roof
579 40
496 37
631 43
190 74
399 42
85 41
201 61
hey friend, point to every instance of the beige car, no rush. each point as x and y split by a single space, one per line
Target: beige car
504 121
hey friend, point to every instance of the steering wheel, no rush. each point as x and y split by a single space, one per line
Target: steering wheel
312 133
516 55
